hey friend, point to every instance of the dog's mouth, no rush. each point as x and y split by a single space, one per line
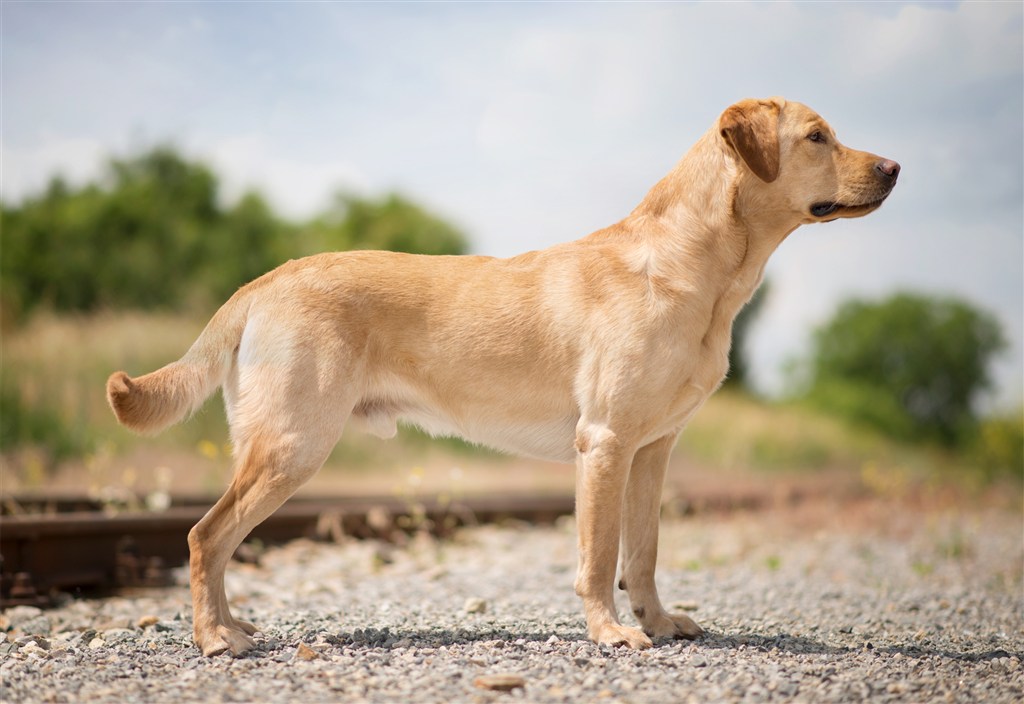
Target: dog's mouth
821 210
833 210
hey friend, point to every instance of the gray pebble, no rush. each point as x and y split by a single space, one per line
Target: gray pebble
475 605
383 631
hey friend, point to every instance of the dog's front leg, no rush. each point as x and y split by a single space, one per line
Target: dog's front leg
601 469
642 506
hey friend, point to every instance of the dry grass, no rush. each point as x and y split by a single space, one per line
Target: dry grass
60 365
734 431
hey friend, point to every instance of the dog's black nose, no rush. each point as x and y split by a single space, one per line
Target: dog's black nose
888 168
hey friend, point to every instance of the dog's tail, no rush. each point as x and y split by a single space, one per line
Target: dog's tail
151 403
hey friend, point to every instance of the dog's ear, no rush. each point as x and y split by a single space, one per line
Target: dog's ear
751 128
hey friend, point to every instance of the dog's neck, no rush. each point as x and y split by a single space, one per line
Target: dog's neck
700 218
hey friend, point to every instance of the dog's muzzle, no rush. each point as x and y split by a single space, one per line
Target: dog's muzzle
888 171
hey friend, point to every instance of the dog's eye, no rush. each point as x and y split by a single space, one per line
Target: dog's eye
816 136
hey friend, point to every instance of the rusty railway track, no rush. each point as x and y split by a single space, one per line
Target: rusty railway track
73 544
54 544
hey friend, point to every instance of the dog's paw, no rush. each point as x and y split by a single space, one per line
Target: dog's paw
665 625
223 639
245 626
617 634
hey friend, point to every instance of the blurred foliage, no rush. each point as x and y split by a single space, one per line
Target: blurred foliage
135 240
39 424
392 222
910 365
53 373
739 363
153 234
997 445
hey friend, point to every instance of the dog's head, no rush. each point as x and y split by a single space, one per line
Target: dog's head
800 165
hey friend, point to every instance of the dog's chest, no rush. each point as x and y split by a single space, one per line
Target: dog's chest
707 364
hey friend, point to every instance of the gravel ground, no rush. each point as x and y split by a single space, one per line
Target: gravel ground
879 604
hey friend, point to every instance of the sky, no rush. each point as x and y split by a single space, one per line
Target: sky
528 124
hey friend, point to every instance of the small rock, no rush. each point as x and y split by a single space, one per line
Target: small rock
118 635
698 661
304 652
474 605
38 640
96 643
247 554
499 682
683 606
114 624
17 615
787 689
435 573
147 621
33 650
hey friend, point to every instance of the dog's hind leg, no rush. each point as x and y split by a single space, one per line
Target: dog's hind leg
640 542
269 469
286 414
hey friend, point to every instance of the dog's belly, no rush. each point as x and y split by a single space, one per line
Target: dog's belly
551 439
542 436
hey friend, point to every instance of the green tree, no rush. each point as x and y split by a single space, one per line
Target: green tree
392 222
249 241
911 365
152 233
739 364
133 240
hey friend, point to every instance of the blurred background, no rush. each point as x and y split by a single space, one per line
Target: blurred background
155 156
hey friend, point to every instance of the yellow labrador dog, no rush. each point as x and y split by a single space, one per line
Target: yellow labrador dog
596 351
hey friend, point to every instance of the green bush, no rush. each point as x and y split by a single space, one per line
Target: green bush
153 234
998 445
911 365
135 240
865 405
392 222
38 425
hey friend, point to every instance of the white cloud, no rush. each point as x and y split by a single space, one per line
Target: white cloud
25 170
984 38
297 188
